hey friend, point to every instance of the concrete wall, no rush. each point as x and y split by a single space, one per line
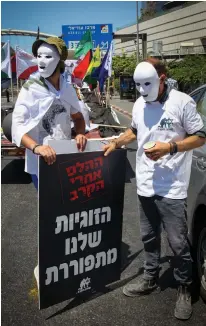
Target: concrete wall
176 27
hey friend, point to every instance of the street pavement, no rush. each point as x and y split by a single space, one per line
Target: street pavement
19 257
123 106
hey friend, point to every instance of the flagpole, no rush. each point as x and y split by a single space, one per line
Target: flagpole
98 94
17 84
10 72
109 71
12 93
107 96
137 41
17 79
137 28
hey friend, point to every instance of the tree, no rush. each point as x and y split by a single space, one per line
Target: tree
124 65
189 72
149 11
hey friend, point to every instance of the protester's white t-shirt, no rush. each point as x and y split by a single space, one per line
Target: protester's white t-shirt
169 121
56 124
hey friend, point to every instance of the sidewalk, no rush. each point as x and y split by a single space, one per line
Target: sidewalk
123 106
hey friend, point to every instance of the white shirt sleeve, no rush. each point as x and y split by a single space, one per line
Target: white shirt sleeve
192 121
75 103
74 110
133 124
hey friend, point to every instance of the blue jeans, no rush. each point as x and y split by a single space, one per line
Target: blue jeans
35 180
158 210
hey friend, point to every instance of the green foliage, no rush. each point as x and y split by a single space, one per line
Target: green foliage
189 72
192 69
149 11
116 84
124 65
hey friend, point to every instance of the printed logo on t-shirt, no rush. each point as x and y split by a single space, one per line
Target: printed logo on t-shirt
166 124
48 121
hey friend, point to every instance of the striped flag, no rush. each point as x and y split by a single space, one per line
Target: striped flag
5 61
96 61
105 69
84 46
26 64
84 55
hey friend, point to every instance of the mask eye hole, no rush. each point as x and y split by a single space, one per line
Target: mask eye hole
38 56
137 84
48 56
147 84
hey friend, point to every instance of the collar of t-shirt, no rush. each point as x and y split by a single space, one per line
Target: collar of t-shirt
163 98
53 89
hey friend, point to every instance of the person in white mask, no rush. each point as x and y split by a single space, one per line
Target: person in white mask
47 59
167 128
45 105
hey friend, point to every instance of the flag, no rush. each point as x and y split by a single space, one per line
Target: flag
105 69
96 61
84 53
26 64
13 64
5 61
82 66
84 46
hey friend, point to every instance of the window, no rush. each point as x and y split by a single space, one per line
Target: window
201 107
196 95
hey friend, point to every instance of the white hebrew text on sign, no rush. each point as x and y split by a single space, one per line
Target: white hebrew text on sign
93 239
77 267
93 217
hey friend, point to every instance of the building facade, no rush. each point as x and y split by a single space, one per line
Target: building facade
177 32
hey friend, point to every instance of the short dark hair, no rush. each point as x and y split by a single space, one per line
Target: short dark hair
158 65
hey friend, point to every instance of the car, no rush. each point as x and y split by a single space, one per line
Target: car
196 201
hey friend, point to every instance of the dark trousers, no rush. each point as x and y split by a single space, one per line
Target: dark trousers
171 213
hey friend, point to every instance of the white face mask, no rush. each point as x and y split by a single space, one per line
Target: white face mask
147 81
47 59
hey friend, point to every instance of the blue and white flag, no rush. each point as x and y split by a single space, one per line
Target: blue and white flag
105 69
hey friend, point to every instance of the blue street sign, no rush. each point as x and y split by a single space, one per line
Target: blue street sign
101 35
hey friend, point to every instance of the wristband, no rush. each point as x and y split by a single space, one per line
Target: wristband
173 148
33 150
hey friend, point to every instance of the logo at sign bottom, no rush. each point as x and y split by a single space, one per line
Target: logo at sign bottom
84 285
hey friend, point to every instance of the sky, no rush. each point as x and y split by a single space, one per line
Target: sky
51 15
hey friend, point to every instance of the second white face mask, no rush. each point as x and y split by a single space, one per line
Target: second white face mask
47 59
147 81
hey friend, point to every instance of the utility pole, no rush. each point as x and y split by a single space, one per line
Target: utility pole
37 36
137 40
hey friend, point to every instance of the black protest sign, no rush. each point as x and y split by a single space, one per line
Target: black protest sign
80 224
